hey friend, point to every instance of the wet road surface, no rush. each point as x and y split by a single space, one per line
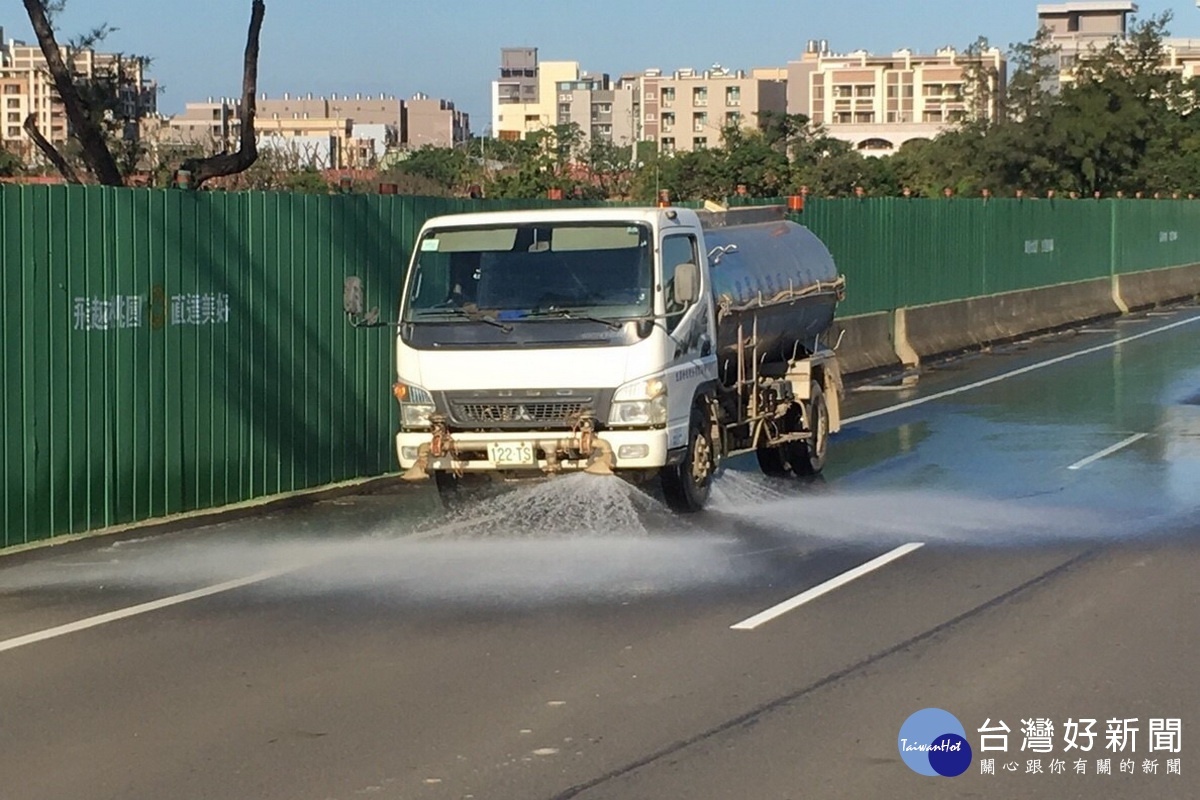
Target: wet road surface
1011 538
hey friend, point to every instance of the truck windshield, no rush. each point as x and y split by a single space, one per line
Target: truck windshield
517 272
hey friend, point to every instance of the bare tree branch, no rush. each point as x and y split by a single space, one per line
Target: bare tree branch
49 150
231 163
87 130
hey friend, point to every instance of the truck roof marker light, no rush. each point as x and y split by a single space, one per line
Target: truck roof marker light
795 203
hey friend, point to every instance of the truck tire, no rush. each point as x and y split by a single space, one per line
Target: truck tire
775 460
771 460
809 457
686 485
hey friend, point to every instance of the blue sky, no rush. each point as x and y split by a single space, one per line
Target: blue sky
451 48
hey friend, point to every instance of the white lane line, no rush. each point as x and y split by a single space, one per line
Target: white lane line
762 618
1108 451
920 401
143 608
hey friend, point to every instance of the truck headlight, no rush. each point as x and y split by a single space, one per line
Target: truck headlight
416 405
642 402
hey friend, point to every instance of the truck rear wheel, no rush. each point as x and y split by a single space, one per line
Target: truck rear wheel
686 485
809 458
775 460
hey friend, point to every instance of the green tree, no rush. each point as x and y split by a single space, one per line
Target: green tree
448 167
10 164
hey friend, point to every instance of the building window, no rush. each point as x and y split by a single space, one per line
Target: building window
668 145
604 108
733 95
842 118
843 90
14 102
733 117
668 120
865 118
14 116
932 116
699 121
700 96
864 91
668 95
701 143
13 133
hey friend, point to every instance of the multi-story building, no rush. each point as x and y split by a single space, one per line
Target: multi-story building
1078 28
328 133
213 125
27 88
690 109
604 111
525 99
880 102
429 121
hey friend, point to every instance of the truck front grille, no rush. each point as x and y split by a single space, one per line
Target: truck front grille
557 414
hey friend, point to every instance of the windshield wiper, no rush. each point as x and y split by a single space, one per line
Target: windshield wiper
566 313
474 316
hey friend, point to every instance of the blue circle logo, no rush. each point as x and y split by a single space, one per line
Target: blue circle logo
933 742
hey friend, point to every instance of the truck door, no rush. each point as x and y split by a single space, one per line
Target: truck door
693 363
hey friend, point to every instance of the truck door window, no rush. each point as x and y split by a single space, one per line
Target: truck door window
675 250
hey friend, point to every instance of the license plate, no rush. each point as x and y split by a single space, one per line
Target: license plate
511 454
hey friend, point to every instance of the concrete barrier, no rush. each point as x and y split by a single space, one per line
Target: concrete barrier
866 342
960 325
1152 287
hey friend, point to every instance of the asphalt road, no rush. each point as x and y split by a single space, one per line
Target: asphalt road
1011 538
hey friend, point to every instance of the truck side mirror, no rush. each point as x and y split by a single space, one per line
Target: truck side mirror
687 283
352 295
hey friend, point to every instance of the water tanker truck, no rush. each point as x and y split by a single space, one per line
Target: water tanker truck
653 343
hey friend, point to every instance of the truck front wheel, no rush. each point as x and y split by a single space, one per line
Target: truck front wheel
686 485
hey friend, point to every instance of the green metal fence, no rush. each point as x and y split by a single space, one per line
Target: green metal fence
165 351
899 252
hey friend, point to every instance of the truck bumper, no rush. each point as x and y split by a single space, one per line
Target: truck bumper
552 451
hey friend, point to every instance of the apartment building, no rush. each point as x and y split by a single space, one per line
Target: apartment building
880 102
689 109
603 110
525 97
27 88
429 121
328 133
1078 28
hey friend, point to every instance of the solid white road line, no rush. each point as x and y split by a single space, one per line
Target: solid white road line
1108 451
920 401
143 608
828 586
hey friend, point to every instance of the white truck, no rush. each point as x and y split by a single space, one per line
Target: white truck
649 342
